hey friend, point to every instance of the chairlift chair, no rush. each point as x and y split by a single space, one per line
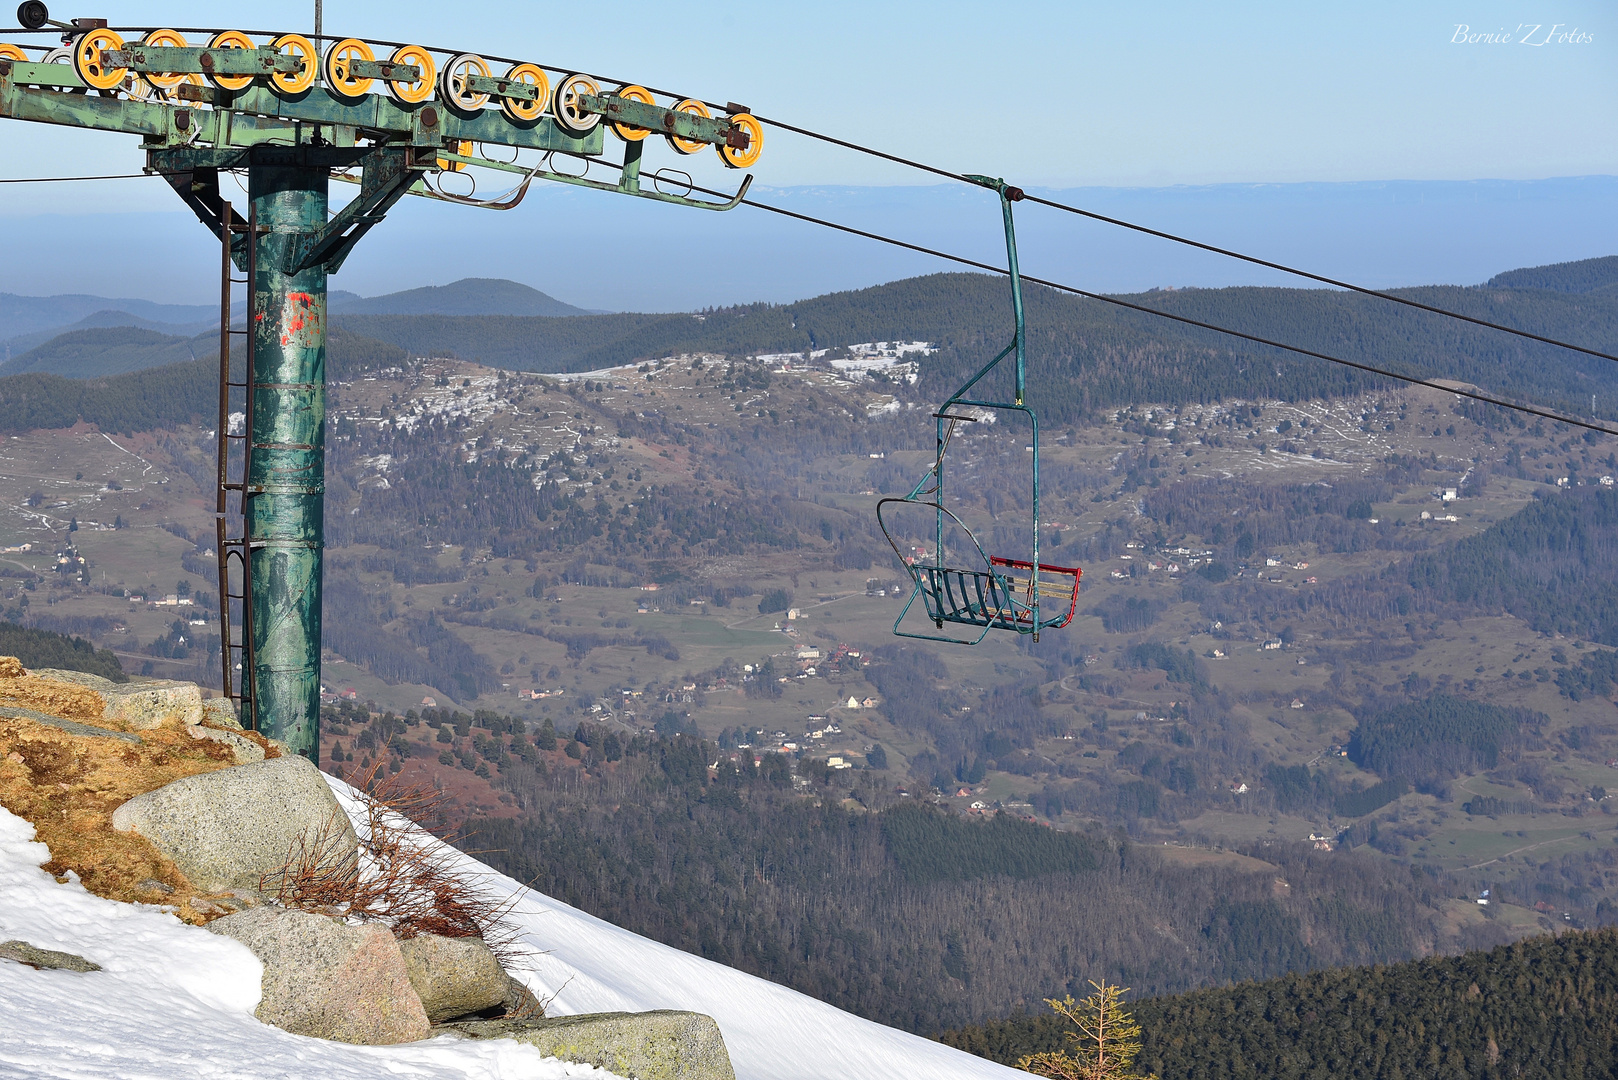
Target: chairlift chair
1023 596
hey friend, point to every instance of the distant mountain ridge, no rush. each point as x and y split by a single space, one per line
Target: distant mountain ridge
30 321
30 314
108 349
1083 354
14 348
1583 276
469 296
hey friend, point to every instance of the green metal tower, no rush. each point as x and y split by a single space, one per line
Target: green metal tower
249 105
286 472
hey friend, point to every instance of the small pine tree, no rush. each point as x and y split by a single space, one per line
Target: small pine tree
1104 1046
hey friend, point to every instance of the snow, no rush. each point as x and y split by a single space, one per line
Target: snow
773 1033
175 1001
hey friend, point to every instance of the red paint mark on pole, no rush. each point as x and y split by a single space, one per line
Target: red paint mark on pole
303 318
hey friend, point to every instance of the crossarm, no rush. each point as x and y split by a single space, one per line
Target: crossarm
668 121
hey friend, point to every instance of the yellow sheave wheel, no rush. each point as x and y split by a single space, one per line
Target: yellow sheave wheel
12 52
534 76
744 159
465 150
164 39
87 50
304 49
338 76
413 93
688 146
231 39
629 132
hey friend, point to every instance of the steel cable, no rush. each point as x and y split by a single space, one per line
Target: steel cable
1183 319
1200 245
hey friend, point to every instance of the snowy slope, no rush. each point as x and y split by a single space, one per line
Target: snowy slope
773 1033
177 1002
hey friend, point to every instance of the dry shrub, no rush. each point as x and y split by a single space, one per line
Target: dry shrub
423 804
400 876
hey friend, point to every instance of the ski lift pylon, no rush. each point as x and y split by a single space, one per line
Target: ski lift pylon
993 592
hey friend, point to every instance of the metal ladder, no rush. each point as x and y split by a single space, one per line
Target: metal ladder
235 650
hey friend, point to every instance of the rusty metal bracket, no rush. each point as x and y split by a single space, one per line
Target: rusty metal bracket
682 125
198 188
388 172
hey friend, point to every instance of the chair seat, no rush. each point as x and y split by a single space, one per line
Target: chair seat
1001 601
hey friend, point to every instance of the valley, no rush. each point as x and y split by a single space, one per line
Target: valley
536 581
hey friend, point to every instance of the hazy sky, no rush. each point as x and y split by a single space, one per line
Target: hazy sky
1056 95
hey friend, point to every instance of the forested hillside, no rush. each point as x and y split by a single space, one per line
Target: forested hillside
528 343
1554 566
45 649
1085 355
101 351
159 397
1541 1009
1583 276
903 913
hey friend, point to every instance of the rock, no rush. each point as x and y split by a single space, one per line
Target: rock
220 712
59 693
137 705
145 705
661 1045
152 885
77 678
44 959
327 979
454 976
245 749
72 727
519 1002
228 829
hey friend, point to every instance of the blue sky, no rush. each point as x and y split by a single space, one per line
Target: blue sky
1152 96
